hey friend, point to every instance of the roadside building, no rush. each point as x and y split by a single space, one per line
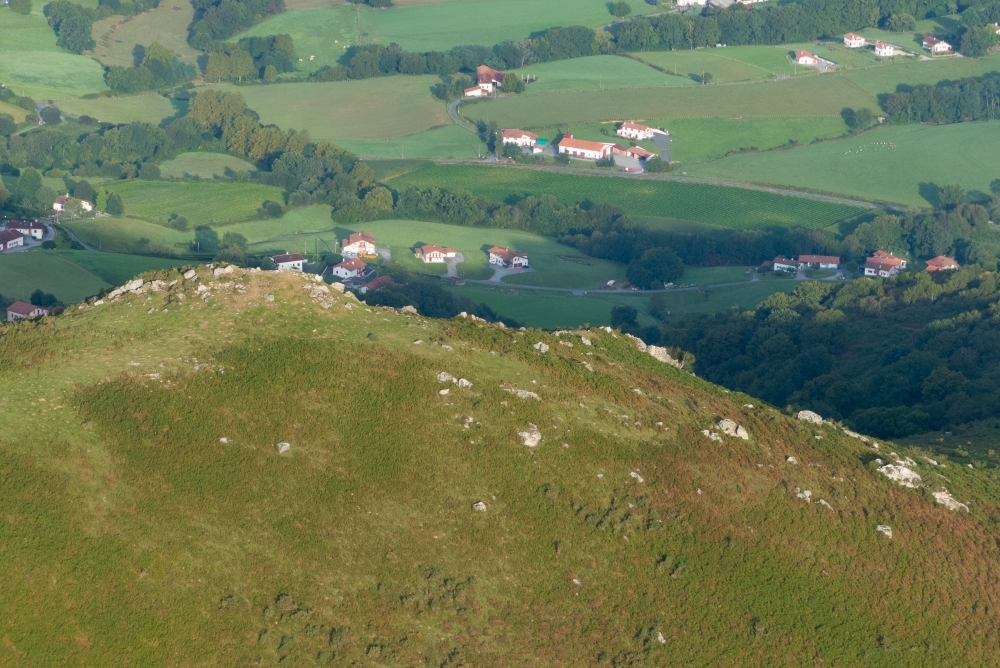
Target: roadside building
521 138
475 91
380 282
852 41
10 239
63 201
20 310
820 261
941 263
349 268
33 229
293 261
884 49
889 258
637 132
358 244
784 264
637 152
880 269
432 253
587 150
935 45
506 258
806 58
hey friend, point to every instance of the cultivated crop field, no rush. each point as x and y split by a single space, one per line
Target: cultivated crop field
23 273
361 110
117 36
324 32
802 96
713 205
201 202
204 165
889 164
146 107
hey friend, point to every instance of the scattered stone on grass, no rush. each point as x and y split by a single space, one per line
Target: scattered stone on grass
283 448
803 494
884 528
412 310
791 460
730 428
948 501
635 474
809 416
479 506
900 474
712 435
543 347
531 437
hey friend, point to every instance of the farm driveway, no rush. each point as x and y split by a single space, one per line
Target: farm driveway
452 265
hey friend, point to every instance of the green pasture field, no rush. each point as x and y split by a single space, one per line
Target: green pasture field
202 202
324 32
713 275
117 36
448 142
116 268
384 169
145 107
18 113
377 108
901 164
910 71
50 74
713 205
204 165
553 310
835 51
595 72
743 63
795 97
23 273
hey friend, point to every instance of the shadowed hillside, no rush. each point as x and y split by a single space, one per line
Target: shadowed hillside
252 468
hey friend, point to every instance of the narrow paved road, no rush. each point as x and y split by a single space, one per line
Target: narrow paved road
76 239
453 112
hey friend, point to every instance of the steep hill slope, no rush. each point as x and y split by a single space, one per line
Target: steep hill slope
151 514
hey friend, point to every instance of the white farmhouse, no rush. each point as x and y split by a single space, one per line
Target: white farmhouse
431 253
358 244
784 264
521 138
884 49
806 58
588 150
293 261
10 239
35 230
820 261
505 257
349 268
637 132
852 41
935 45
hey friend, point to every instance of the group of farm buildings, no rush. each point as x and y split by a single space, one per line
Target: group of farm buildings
881 264
883 49
588 150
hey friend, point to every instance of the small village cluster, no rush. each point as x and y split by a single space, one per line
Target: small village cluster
354 272
589 150
881 264
15 232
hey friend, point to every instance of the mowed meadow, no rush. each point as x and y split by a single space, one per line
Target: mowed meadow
718 206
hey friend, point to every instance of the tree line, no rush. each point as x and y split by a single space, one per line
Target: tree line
73 24
968 99
218 20
823 347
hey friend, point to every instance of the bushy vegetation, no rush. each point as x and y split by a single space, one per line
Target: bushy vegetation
217 20
73 24
158 68
824 347
969 99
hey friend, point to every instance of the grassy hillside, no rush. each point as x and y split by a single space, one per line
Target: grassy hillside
146 107
117 36
23 273
323 32
712 205
204 165
448 142
152 519
202 202
889 164
369 109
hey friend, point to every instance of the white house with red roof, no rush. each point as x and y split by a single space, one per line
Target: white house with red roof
884 49
488 78
358 244
784 264
884 265
63 200
33 229
820 261
637 152
293 261
521 138
506 258
852 41
889 258
10 239
806 58
20 310
587 150
942 263
637 132
935 45
431 253
475 91
349 268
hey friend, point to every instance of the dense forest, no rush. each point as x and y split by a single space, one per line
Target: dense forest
825 347
969 99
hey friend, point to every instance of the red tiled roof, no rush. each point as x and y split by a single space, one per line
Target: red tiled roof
351 265
941 262
640 152
514 133
430 248
9 235
582 145
878 266
782 260
359 236
24 225
23 308
635 126
289 257
887 258
381 282
803 54
851 35
820 259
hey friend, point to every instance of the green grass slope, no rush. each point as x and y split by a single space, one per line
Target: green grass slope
712 205
150 518
903 164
